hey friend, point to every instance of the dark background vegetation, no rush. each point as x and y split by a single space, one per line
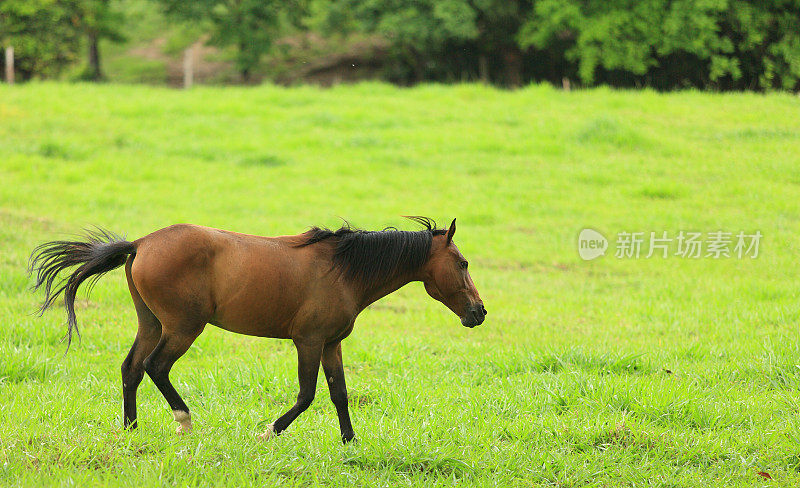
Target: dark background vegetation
664 44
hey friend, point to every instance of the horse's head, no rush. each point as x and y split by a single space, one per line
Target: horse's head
447 279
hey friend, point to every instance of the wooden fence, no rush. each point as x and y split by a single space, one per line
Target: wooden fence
10 64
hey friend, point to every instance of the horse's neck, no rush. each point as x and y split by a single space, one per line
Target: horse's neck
372 295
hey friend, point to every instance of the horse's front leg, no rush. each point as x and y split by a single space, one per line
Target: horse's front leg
334 375
308 358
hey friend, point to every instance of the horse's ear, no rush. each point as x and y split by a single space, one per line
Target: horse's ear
450 232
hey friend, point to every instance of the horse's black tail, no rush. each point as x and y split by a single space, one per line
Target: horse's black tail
100 252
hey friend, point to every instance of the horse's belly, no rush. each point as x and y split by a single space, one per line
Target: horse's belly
267 330
263 318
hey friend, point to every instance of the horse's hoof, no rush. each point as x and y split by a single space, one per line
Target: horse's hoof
270 432
184 420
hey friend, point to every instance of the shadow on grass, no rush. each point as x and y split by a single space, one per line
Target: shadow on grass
415 464
571 360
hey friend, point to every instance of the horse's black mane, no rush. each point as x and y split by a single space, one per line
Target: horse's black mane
372 257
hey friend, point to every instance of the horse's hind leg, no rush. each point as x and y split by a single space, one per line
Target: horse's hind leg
146 339
174 342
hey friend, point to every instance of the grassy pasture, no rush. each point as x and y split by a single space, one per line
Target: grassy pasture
614 372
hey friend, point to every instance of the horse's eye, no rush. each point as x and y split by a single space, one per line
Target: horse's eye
463 264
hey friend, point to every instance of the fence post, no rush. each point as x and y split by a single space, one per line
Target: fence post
188 67
10 65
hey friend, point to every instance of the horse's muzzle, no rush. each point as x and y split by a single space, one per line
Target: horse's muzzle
474 316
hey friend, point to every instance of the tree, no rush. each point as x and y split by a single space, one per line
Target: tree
498 23
97 20
673 43
248 25
421 32
441 39
43 34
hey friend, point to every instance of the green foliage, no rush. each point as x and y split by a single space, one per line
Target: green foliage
435 39
717 43
614 35
98 20
47 34
44 35
248 25
421 32
665 44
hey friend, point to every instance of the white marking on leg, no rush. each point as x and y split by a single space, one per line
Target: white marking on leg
184 420
270 432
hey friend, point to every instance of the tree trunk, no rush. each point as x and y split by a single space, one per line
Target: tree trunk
512 58
95 73
419 72
483 69
244 62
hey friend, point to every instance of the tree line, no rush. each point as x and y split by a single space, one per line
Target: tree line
665 44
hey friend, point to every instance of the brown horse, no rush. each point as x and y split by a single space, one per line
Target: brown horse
308 288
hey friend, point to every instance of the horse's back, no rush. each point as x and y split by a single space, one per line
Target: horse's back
244 283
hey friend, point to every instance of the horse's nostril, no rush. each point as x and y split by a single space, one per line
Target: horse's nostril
484 310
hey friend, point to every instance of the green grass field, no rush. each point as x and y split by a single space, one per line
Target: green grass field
613 372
